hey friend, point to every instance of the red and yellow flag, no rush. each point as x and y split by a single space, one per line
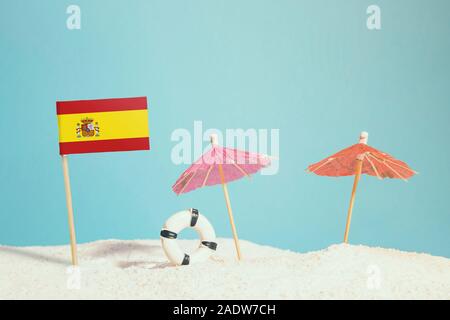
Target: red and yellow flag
103 125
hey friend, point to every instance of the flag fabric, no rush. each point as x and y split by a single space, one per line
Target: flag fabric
103 125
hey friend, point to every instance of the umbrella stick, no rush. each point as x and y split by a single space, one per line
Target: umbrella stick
352 199
73 241
230 211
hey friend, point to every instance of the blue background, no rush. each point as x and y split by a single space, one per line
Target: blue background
310 68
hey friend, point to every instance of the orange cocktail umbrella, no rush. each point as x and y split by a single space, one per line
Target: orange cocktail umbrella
357 159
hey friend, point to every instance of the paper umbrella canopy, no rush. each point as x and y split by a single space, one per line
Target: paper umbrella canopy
220 165
360 159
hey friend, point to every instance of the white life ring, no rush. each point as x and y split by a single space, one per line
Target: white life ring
185 219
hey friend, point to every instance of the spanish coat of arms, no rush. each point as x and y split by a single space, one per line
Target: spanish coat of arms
87 128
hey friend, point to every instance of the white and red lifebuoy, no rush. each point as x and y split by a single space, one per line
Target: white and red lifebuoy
188 219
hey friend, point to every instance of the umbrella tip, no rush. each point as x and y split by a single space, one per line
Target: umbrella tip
363 137
214 139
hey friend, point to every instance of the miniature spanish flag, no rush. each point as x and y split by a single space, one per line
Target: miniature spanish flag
103 125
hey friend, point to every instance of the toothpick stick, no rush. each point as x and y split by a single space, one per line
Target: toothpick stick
352 199
230 212
358 169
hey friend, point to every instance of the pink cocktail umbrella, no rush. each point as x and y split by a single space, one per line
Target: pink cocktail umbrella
221 165
359 159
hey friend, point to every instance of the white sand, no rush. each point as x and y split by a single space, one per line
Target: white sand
116 269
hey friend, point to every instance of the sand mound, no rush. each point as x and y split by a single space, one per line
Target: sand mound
115 269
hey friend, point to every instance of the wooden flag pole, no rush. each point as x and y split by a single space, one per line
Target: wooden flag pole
358 169
73 241
230 211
